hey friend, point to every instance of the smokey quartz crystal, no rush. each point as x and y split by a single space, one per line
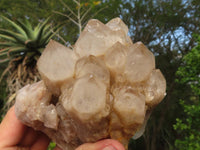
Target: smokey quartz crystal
105 87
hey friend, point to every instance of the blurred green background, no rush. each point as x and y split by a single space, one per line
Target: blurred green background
169 28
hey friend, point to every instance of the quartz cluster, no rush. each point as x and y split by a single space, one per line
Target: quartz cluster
105 87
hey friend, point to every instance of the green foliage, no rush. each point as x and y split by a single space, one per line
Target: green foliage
33 9
24 42
103 10
189 72
51 146
188 127
75 15
20 47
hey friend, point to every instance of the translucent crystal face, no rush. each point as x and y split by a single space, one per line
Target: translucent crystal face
105 88
102 37
129 106
115 58
117 24
88 98
139 63
155 88
56 56
94 67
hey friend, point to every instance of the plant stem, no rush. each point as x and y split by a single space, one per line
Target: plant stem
79 18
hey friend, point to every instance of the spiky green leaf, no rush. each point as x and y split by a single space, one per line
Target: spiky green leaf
41 30
9 38
17 27
18 37
27 28
28 24
4 44
48 35
40 27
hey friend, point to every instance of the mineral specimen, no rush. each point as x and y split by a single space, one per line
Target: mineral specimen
105 88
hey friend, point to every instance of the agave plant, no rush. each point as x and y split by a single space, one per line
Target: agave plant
20 49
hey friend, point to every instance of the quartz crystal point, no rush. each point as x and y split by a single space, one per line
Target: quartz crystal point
93 66
102 37
88 105
141 59
155 88
56 66
106 87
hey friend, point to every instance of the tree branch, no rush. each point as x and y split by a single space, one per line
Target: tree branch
67 17
77 2
79 19
85 13
61 38
65 5
96 14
